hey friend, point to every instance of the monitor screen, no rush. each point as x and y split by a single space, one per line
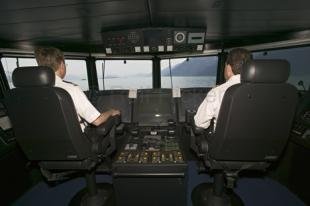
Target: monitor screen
154 108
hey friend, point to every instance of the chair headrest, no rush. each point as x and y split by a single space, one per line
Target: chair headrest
33 77
265 71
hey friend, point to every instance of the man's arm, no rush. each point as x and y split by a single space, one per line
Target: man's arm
87 111
206 111
104 116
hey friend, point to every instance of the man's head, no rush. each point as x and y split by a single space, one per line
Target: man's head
51 57
235 60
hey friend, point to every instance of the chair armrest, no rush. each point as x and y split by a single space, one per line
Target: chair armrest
198 130
199 140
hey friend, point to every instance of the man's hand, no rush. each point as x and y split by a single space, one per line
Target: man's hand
105 115
115 112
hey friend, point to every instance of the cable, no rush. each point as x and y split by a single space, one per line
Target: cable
103 72
170 73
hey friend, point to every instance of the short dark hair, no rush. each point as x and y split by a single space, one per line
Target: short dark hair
237 58
49 56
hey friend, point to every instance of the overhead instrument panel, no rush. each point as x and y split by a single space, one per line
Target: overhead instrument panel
154 40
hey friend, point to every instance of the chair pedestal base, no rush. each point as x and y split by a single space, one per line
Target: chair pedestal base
104 197
203 195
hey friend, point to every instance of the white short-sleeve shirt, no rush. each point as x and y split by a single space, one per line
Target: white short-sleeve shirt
82 105
210 107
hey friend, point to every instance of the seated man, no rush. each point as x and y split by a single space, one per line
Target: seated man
54 58
210 107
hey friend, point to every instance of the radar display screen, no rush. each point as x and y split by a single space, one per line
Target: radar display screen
154 108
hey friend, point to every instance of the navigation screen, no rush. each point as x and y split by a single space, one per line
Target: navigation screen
154 109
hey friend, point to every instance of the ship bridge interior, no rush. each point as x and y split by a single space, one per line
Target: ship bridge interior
155 61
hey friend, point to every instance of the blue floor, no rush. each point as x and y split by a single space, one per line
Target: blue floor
253 191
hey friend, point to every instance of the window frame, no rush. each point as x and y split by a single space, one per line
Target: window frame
16 57
31 56
135 58
279 49
87 73
194 56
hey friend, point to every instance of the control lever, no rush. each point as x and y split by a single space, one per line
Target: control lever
171 132
171 122
189 117
134 131
301 84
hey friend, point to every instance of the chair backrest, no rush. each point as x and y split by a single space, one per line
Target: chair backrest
255 117
44 118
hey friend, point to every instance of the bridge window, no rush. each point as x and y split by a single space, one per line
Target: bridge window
124 74
76 69
77 73
11 63
299 60
189 72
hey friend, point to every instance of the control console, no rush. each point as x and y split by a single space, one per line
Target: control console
151 151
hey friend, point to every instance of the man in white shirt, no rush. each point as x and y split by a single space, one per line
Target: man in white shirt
54 58
210 107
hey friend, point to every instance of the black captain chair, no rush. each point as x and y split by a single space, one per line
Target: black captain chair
251 132
48 131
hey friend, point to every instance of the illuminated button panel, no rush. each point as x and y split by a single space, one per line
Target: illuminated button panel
148 157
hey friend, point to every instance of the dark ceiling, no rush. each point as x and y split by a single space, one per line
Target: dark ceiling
77 24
